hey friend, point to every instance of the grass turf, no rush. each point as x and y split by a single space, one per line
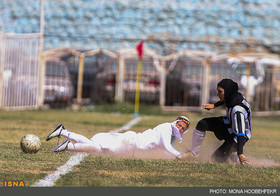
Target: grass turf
110 171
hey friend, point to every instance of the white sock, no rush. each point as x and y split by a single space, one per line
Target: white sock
197 139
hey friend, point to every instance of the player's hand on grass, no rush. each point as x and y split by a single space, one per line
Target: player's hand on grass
208 106
243 160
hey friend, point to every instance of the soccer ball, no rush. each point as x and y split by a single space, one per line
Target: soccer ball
30 143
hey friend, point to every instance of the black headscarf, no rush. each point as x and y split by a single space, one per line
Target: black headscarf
232 96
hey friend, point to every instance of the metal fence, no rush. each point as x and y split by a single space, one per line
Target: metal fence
20 70
267 93
186 79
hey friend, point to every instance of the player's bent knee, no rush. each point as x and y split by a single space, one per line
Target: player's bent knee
202 125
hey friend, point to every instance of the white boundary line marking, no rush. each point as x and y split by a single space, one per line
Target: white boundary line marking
74 160
50 179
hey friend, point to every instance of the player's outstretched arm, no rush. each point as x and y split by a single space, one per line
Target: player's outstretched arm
208 106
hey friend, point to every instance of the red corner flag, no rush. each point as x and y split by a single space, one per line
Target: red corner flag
139 48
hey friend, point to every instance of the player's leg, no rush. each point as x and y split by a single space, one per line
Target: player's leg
225 151
199 132
60 130
214 124
83 147
75 137
77 147
108 142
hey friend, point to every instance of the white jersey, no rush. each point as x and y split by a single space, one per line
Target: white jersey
160 136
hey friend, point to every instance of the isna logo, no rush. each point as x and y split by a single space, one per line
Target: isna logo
13 183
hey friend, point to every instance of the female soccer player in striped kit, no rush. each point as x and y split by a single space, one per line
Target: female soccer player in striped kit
163 135
234 128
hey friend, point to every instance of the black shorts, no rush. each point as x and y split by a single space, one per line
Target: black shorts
220 129
216 125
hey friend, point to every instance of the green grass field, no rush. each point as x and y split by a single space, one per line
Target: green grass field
151 170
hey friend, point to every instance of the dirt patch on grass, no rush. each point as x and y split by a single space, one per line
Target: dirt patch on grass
260 162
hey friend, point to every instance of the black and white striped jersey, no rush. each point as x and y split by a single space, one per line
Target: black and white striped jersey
240 119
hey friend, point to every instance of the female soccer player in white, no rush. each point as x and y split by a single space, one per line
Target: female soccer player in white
163 135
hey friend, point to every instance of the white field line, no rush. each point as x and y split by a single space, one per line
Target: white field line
74 160
127 125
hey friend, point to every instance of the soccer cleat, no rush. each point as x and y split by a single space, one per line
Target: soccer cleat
56 132
62 146
188 156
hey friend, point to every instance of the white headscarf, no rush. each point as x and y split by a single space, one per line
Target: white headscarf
176 131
